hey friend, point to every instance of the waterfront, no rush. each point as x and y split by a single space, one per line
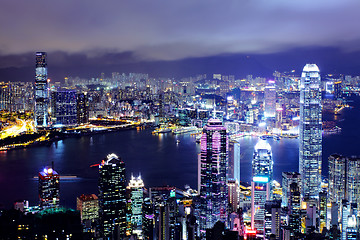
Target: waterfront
159 158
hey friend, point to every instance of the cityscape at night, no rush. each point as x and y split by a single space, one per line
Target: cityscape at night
180 121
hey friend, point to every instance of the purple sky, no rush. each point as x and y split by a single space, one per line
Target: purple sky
172 30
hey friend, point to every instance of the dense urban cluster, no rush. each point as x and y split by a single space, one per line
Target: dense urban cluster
217 110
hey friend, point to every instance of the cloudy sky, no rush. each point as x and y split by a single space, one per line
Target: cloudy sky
162 30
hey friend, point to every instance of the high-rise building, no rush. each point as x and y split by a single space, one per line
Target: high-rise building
344 180
136 186
234 161
49 188
234 194
5 96
41 91
272 218
112 197
262 176
82 108
294 207
287 179
148 219
310 147
63 108
213 165
270 100
88 205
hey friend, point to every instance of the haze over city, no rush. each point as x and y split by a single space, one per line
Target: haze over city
179 39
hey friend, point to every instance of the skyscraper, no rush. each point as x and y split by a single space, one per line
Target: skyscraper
270 100
213 164
82 108
262 175
287 179
63 108
112 196
344 179
88 205
310 147
49 188
136 186
41 91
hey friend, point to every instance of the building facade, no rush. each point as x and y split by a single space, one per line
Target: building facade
49 188
213 165
310 134
41 91
262 175
136 186
112 197
63 108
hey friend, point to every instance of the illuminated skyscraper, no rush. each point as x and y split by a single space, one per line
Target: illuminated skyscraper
270 100
287 179
112 197
136 186
88 206
82 108
310 147
213 164
63 108
49 188
262 175
41 91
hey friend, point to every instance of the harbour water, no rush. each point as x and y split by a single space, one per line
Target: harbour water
161 159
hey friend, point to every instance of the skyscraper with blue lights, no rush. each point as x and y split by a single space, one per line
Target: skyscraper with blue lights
310 144
213 164
262 175
41 91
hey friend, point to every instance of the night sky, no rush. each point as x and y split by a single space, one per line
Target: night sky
178 38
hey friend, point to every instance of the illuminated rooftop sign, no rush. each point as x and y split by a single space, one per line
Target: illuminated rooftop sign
261 179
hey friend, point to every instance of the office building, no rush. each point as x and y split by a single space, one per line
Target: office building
63 108
294 209
82 108
344 180
270 100
287 179
272 218
213 165
147 219
88 206
262 176
310 135
5 96
49 188
41 91
112 197
136 187
234 161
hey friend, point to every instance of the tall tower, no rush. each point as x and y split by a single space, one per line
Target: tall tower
213 164
136 186
49 188
41 91
270 100
310 147
112 197
262 175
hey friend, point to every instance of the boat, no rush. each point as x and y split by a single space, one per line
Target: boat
185 130
177 141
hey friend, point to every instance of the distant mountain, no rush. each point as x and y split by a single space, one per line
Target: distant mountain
329 60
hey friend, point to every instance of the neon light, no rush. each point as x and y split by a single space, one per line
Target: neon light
261 179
